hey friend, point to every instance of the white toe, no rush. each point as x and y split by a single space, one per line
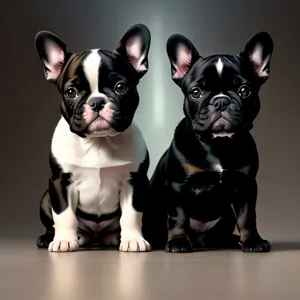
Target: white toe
63 246
135 245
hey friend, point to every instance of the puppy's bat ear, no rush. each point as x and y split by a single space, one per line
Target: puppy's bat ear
258 52
52 52
134 48
182 55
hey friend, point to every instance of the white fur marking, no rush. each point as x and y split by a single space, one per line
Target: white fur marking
223 134
219 66
100 168
91 67
75 153
220 95
198 191
66 226
131 224
218 168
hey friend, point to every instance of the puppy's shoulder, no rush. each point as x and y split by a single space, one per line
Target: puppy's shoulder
133 143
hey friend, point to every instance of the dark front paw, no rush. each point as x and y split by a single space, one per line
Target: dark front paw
44 240
179 245
256 245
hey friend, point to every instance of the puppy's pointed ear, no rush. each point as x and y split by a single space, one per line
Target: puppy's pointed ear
182 55
134 48
52 52
258 52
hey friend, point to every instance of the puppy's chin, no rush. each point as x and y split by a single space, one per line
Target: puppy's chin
221 125
222 128
104 133
100 128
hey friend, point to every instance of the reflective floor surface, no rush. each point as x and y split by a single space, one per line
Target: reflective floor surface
29 273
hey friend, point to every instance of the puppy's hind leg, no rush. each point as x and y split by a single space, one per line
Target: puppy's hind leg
47 220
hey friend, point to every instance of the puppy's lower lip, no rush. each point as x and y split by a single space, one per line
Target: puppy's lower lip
97 118
221 124
98 125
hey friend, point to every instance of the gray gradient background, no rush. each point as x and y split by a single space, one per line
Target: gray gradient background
30 105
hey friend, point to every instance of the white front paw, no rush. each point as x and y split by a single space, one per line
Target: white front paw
64 242
137 244
63 246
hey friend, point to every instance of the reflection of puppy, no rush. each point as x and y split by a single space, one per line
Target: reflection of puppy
212 162
99 159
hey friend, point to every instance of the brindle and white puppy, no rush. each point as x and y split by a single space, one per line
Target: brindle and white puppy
98 157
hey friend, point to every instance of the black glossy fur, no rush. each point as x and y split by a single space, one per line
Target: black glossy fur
209 171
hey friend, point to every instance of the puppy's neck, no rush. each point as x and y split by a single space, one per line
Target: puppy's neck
222 141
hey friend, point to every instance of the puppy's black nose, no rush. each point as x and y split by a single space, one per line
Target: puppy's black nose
221 102
96 103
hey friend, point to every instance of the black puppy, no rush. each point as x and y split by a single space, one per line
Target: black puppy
205 183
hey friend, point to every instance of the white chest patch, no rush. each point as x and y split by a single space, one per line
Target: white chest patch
223 134
100 166
217 167
99 188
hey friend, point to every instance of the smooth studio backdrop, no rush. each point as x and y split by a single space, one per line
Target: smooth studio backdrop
30 105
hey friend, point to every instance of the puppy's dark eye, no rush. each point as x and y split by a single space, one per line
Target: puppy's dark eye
71 93
121 88
244 92
195 93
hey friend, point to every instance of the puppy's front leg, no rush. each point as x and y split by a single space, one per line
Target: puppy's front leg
132 239
178 240
245 209
64 199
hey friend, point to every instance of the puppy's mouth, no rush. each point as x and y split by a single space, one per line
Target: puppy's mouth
227 120
221 124
222 128
98 122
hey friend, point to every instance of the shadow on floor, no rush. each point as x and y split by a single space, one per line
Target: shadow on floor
285 246
276 246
